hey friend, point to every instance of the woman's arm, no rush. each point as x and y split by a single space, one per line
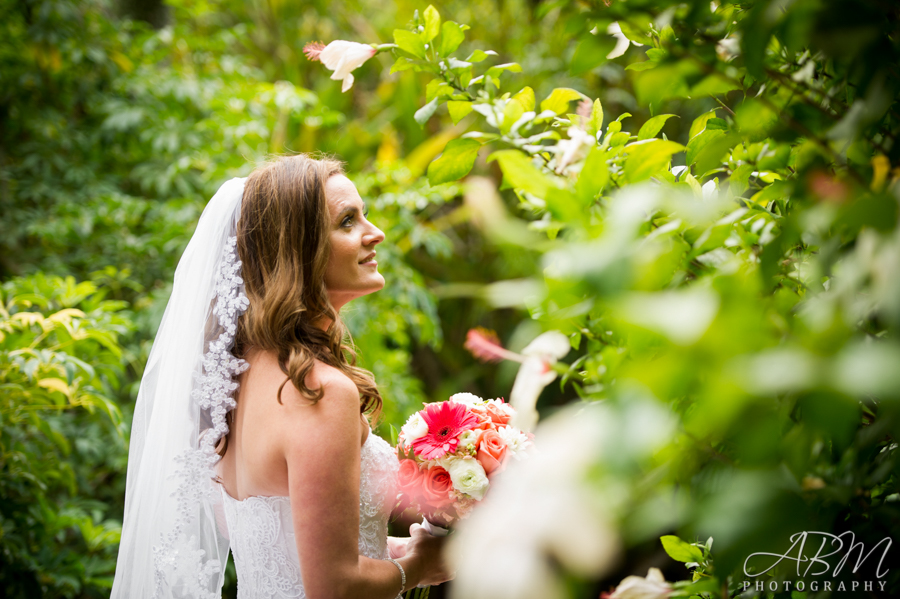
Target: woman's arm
323 461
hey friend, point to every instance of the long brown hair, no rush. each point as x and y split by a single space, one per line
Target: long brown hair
282 242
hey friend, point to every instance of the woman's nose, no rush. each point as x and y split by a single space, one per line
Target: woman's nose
374 236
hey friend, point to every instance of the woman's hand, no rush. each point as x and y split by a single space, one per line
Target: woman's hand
426 552
397 546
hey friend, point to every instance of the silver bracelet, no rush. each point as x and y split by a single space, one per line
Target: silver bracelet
402 573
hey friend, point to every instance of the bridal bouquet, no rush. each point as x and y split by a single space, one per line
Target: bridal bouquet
450 450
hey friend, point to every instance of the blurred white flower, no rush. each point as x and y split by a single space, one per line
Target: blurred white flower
729 48
535 373
542 511
551 345
467 399
622 42
636 587
342 57
569 150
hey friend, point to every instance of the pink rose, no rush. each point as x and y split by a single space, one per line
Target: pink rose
492 451
436 488
409 483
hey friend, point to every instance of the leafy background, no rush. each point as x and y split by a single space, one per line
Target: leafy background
711 218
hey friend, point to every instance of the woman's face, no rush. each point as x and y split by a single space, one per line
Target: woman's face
352 270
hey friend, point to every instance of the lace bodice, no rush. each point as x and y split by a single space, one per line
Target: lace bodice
262 532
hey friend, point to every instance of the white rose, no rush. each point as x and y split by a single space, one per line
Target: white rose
467 399
414 428
467 476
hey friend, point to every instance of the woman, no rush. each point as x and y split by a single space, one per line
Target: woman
303 487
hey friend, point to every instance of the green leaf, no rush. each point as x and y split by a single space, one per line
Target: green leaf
437 89
562 204
520 173
653 126
698 142
454 162
699 123
458 110
526 97
710 156
432 23
511 113
668 80
423 114
681 551
705 584
512 67
716 124
410 42
646 158
595 123
394 435
641 66
755 120
619 139
632 32
714 85
739 179
590 53
559 98
402 64
593 177
479 55
451 37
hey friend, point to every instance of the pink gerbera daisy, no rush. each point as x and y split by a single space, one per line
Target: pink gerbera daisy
445 420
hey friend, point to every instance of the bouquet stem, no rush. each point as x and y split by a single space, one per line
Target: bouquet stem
418 593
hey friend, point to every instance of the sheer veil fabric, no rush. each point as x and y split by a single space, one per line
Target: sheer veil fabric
174 538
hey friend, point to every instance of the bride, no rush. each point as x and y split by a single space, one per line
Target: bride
251 429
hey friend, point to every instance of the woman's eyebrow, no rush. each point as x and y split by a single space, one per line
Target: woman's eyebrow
352 208
348 210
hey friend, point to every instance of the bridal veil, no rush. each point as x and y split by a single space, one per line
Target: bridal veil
174 538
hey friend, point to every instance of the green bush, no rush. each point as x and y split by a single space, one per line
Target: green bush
62 437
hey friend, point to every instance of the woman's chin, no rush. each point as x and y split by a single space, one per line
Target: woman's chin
377 282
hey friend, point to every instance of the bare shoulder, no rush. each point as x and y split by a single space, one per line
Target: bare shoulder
332 422
337 388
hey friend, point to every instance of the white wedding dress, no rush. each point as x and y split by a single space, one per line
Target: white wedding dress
261 529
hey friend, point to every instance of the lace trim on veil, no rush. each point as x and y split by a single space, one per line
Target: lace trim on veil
179 561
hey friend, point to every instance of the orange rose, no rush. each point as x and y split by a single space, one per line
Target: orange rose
492 451
497 414
484 419
436 488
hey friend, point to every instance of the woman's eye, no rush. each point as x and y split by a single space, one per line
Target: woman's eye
348 220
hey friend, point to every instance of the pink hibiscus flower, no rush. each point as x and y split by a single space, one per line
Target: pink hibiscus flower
445 420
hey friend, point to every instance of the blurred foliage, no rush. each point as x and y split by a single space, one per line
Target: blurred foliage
728 250
62 436
733 255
